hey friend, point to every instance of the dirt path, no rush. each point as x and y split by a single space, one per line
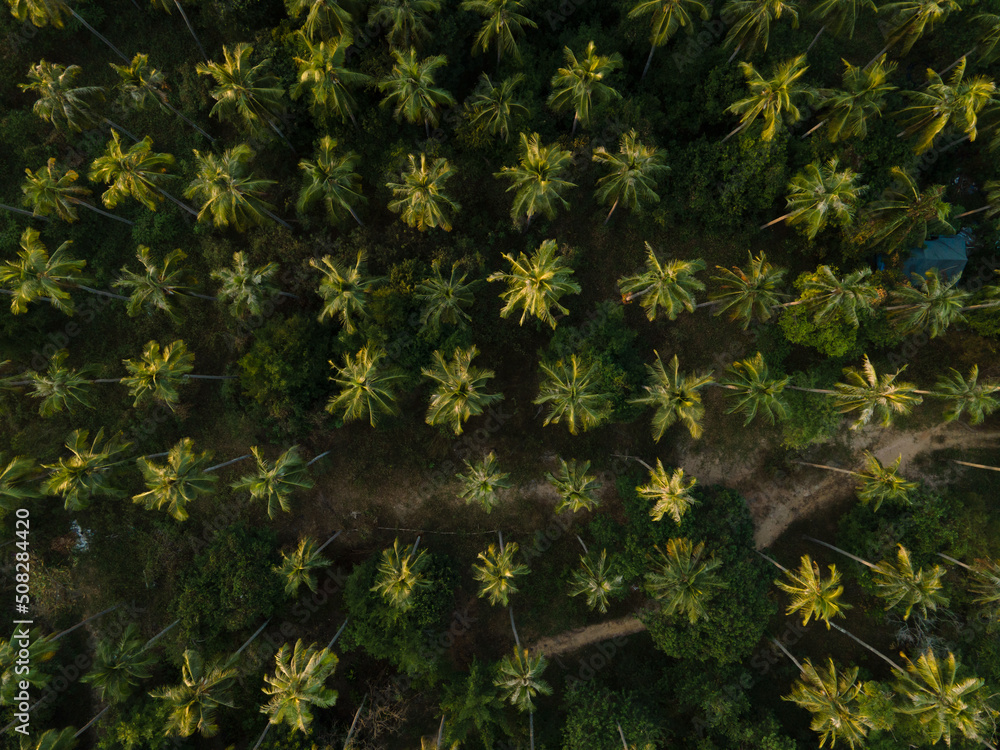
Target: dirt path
571 640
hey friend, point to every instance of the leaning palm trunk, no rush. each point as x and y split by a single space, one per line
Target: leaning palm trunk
967 213
816 38
874 650
976 466
94 31
177 202
225 463
354 723
186 119
648 61
90 723
191 29
843 552
95 209
44 218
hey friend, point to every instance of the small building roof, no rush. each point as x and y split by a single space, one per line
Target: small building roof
945 253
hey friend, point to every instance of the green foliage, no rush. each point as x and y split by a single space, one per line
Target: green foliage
812 417
834 337
595 712
139 726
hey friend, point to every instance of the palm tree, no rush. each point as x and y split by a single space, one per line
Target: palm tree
327 19
668 17
401 575
840 16
834 699
444 300
812 595
675 397
136 173
986 584
632 173
494 107
473 709
497 573
178 482
165 6
684 580
66 106
120 665
861 98
50 191
502 24
581 83
538 179
152 289
992 190
820 193
276 482
940 104
246 288
911 19
460 390
519 678
40 649
481 481
936 305
773 98
410 87
323 73
332 180
202 691
596 580
343 290
298 685
60 387
577 489
899 583
366 388
244 92
874 395
421 197
228 191
827 297
536 284
36 275
573 393
750 295
159 373
17 481
750 23
405 21
64 739
87 473
878 484
142 84
668 285
670 494
968 395
297 568
904 216
754 391
43 12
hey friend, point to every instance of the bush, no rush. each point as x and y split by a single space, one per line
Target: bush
834 337
593 714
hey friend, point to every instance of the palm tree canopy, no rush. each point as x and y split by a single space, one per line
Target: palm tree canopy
935 305
665 285
574 395
675 396
87 472
247 289
203 690
874 395
480 482
60 387
970 395
751 22
40 649
911 19
323 73
538 179
420 198
344 290
861 97
754 391
401 575
243 91
581 83
669 493
502 24
842 15
751 294
494 107
826 295
899 583
595 579
297 567
883 484
405 21
577 489
683 580
17 481
772 98
834 698
298 685
668 16
812 595
159 372
460 389
332 180
51 190
227 189
631 173
535 284
137 172
444 300
366 387
275 482
36 275
820 194
174 485
140 82
153 289
326 19
497 572
519 678
904 215
66 106
410 88
40 12
119 665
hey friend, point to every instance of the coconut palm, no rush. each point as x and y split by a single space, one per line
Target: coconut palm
410 88
343 290
18 479
297 567
939 104
202 691
480 482
44 12
245 288
936 305
228 191
819 194
460 389
904 216
538 180
683 580
755 391
137 173
668 16
323 73
772 98
632 173
401 574
883 483
874 395
159 372
675 397
535 284
152 289
834 698
298 685
36 275
366 387
577 489
861 98
421 198
749 295
275 482
519 678
474 709
164 5
141 84
580 84
331 179
177 483
326 19
51 739
50 190
503 23
119 665
60 102
911 19
840 16
494 107
670 494
444 300
573 394
243 92
968 395
986 583
497 572
404 21
811 595
596 580
40 649
898 583
827 296
992 191
750 23
664 286
60 387
87 472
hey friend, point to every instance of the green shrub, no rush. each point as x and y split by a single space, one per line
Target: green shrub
594 713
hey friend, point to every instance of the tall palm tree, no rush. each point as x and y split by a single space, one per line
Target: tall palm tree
153 289
324 74
772 98
904 216
50 190
670 494
243 92
174 485
669 285
298 685
141 84
750 295
410 88
834 698
343 290
60 387
332 180
595 579
519 678
577 489
460 389
275 482
228 191
473 709
898 583
63 739
137 173
968 395
878 483
18 479
632 173
819 194
840 16
421 198
861 98
503 23
755 391
874 395
535 284
936 305
750 23
164 5
497 573
244 287
401 574
675 397
87 472
573 394
404 21
827 296
986 584
119 665
811 595
494 107
202 691
37 275
939 104
159 372
40 649
580 84
668 16
480 482
327 19
366 387
444 300
683 579
538 179
41 13
297 567
60 102
911 19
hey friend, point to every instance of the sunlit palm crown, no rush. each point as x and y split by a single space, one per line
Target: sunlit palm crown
203 689
669 493
51 190
577 489
535 284
410 88
519 677
18 481
573 394
155 287
326 19
898 583
36 275
367 389
177 483
538 178
596 580
497 572
298 685
934 306
140 82
874 395
773 98
913 18
820 194
675 396
228 191
754 391
275 482
298 566
631 173
827 296
812 595
87 472
751 294
243 91
833 698
956 103
401 574
420 198
581 82
323 74
683 580
460 389
480 482
883 483
159 372
344 290
40 12
134 173
860 98
968 394
665 286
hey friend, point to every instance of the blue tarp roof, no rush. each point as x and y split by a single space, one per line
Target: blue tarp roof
946 254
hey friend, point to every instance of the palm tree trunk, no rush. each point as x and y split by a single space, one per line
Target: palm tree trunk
517 640
787 653
816 38
78 202
351 210
155 637
649 59
957 562
980 307
45 218
200 296
967 213
622 735
585 550
975 466
324 453
737 130
81 624
271 216
87 726
328 541
119 128
709 303
111 380
191 29
184 117
227 463
211 377
500 534
415 545
437 744
177 202
112 295
816 127
634 458
350 732
531 729
774 562
956 62
262 735
576 119
94 31
339 631
860 642
427 128
824 391
780 218
613 207
837 549
735 52
828 468
879 54
232 659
